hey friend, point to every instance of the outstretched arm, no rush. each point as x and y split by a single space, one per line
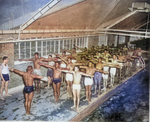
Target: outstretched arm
84 67
86 74
26 59
67 71
17 71
37 76
62 59
45 65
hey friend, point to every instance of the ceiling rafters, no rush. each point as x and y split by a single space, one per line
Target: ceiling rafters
111 7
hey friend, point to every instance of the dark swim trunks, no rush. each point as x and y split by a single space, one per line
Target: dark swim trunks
6 77
56 80
28 89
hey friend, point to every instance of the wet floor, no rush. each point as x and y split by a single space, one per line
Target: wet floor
130 104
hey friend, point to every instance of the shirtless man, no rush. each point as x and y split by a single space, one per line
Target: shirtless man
69 76
141 60
56 79
98 75
28 89
76 85
37 69
89 81
5 77
106 55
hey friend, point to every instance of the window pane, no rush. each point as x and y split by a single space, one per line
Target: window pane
39 47
27 50
52 47
22 50
16 51
44 48
48 48
33 49
56 46
61 45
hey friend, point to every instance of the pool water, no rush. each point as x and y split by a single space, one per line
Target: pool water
130 104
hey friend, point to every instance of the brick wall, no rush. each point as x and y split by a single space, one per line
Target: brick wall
7 50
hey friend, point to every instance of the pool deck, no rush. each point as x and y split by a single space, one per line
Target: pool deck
43 107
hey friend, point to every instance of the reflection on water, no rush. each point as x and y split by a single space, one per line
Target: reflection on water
131 104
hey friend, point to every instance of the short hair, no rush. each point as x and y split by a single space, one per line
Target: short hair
77 67
64 52
36 53
70 58
57 62
29 68
4 58
105 50
50 55
100 58
74 48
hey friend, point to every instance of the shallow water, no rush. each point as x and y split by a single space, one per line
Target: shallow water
130 104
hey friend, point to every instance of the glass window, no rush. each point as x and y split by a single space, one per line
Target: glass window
39 47
27 50
44 48
22 50
33 48
56 46
16 51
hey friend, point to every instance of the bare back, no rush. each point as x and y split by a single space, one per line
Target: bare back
28 79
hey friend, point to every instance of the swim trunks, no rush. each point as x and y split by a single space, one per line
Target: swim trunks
56 80
76 86
113 71
6 77
28 89
37 72
69 77
105 76
97 77
88 81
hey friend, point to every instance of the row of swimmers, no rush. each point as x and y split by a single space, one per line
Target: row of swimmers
73 72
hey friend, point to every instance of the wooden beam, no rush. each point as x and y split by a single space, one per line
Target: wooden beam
100 101
116 22
111 7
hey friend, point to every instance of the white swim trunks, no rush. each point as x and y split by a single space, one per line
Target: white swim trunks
88 81
63 65
45 79
37 72
105 76
76 86
113 71
69 77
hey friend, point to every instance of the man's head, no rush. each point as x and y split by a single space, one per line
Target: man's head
64 53
114 56
76 68
100 60
36 55
5 59
50 56
30 69
74 50
105 51
57 64
69 60
90 64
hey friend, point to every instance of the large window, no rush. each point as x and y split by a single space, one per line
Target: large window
26 50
